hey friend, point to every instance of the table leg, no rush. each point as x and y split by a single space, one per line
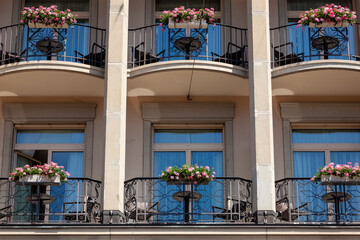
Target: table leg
186 208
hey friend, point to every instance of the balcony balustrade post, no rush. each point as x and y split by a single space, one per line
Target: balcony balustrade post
115 109
260 97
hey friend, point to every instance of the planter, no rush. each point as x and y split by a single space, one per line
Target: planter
39 180
42 25
186 182
192 24
336 180
326 24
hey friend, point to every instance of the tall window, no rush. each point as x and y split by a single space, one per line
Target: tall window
175 147
74 39
40 146
312 149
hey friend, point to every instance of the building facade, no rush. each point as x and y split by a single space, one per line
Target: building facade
117 98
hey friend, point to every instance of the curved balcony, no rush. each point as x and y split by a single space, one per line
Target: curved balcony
75 202
219 43
75 44
290 45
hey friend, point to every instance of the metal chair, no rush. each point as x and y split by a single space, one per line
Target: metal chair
88 214
142 58
231 211
138 210
281 59
232 57
94 58
286 212
8 57
5 212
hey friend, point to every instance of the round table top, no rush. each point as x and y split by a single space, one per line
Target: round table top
180 196
328 42
188 44
331 197
49 46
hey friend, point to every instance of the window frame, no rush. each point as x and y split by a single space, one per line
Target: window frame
49 115
187 114
315 115
327 148
188 148
53 147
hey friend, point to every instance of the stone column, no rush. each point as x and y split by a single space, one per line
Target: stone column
115 109
262 151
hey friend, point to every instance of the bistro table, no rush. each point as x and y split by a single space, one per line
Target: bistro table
49 46
325 43
186 196
187 45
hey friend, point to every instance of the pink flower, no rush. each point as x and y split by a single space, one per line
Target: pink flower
346 174
172 177
195 182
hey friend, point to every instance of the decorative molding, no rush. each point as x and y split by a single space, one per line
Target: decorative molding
48 113
190 111
44 112
320 112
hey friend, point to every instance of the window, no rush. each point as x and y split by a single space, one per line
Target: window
314 148
301 39
40 146
74 39
175 147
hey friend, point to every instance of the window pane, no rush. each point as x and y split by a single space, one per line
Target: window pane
307 163
67 194
163 192
345 157
74 6
162 5
49 136
188 136
326 136
212 194
301 5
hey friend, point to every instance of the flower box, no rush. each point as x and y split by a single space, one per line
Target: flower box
186 182
193 24
326 24
42 25
39 180
337 180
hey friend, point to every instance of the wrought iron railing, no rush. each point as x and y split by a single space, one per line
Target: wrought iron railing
78 43
291 44
224 200
303 201
219 43
76 201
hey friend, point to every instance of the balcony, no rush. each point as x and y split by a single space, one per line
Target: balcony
290 44
303 201
76 44
219 43
154 201
73 202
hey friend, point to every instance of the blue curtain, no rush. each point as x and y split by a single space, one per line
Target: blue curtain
69 192
172 209
213 193
188 136
305 166
301 41
50 136
326 136
351 207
